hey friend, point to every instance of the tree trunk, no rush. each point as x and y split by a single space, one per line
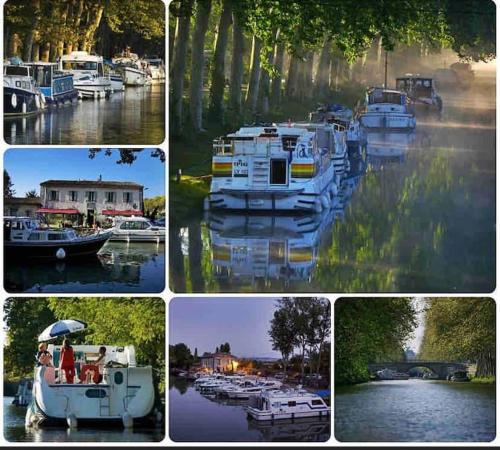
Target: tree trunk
307 74
303 362
218 73
279 53
236 66
46 52
28 45
77 15
264 88
198 63
15 45
178 66
293 77
177 261
321 79
60 44
252 94
88 40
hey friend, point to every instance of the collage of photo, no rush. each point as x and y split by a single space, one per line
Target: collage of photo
295 198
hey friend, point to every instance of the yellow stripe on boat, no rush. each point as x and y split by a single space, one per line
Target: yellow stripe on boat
221 252
222 169
303 170
301 254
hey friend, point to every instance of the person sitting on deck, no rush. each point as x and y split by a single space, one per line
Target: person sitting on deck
101 362
67 361
43 356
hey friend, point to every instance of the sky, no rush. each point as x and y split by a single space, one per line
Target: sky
207 322
29 167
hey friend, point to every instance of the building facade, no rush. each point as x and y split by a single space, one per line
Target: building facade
219 362
91 201
21 206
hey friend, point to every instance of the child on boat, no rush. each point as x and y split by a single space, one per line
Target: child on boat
67 364
43 356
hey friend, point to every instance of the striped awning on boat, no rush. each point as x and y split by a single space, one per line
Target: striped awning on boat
127 212
56 211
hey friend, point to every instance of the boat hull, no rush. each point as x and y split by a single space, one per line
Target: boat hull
48 250
18 102
395 122
134 77
268 416
136 238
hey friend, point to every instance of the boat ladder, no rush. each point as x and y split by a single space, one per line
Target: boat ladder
260 253
260 173
104 406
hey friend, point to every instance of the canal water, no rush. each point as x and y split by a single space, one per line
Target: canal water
135 116
415 410
15 431
415 213
197 418
119 267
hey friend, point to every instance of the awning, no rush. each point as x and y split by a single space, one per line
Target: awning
56 211
115 212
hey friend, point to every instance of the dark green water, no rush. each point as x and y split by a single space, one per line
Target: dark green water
416 214
415 410
197 418
135 116
119 267
14 431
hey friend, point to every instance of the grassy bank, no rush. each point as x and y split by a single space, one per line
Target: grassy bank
484 380
191 152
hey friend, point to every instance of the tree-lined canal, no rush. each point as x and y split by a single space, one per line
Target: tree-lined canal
415 410
420 220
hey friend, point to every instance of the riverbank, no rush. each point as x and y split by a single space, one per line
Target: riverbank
484 380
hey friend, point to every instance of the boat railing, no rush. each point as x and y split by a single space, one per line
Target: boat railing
222 147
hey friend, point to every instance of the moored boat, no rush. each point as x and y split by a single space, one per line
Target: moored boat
136 229
388 109
88 70
24 393
157 68
272 168
287 404
21 96
124 395
24 238
56 86
388 374
133 69
421 91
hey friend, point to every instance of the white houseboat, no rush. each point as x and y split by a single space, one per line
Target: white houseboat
134 70
272 168
421 91
25 238
157 68
21 96
287 404
388 109
246 392
136 229
388 374
88 70
125 394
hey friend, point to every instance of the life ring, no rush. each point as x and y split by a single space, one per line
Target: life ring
37 102
60 254
13 100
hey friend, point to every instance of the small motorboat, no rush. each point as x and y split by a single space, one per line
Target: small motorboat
388 109
157 68
88 70
136 229
244 393
132 68
388 374
56 86
459 376
24 393
21 96
25 238
286 404
421 91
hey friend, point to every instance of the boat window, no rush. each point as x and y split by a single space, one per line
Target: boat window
317 402
276 405
278 171
292 403
16 70
289 142
95 393
385 97
56 237
18 84
35 237
118 377
84 65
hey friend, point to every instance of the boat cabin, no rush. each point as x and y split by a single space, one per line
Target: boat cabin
415 86
51 80
29 229
82 62
19 77
377 96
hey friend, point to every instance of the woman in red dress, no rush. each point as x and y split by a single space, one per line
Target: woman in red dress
67 361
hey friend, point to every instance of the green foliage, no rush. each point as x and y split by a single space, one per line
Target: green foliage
179 356
32 194
154 206
8 190
461 329
368 330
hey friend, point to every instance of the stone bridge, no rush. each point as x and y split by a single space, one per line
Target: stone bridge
441 368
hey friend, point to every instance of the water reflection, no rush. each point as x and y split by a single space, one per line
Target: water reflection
415 213
15 431
135 116
119 267
200 418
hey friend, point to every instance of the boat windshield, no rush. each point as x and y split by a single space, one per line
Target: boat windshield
17 70
386 97
134 225
42 75
83 65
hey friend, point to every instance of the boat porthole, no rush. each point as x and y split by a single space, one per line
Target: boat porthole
118 378
13 100
95 393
